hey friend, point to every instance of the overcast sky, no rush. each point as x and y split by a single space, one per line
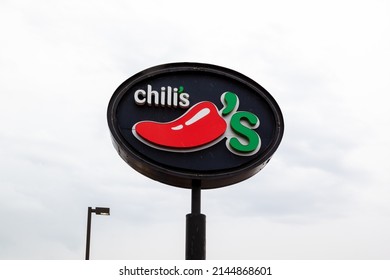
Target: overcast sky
324 195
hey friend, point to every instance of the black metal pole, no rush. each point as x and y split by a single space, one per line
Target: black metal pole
196 226
196 197
88 233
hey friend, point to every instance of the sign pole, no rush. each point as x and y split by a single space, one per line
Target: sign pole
195 226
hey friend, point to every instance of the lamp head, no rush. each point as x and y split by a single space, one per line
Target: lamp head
101 211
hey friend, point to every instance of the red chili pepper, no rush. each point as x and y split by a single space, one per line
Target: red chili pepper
199 126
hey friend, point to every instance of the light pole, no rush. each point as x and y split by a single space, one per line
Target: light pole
98 211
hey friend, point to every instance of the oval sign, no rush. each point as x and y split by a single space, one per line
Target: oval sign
181 122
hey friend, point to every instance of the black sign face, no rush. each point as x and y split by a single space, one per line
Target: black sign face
180 122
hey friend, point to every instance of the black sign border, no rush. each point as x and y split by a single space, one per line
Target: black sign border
176 177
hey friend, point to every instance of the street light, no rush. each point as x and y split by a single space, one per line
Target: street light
98 211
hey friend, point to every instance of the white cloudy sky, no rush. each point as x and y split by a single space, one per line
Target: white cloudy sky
324 195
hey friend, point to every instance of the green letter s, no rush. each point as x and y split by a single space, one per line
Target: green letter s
254 142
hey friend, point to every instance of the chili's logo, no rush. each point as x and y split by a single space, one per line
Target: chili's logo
201 126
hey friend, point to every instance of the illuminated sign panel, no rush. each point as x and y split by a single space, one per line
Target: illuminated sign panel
180 122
